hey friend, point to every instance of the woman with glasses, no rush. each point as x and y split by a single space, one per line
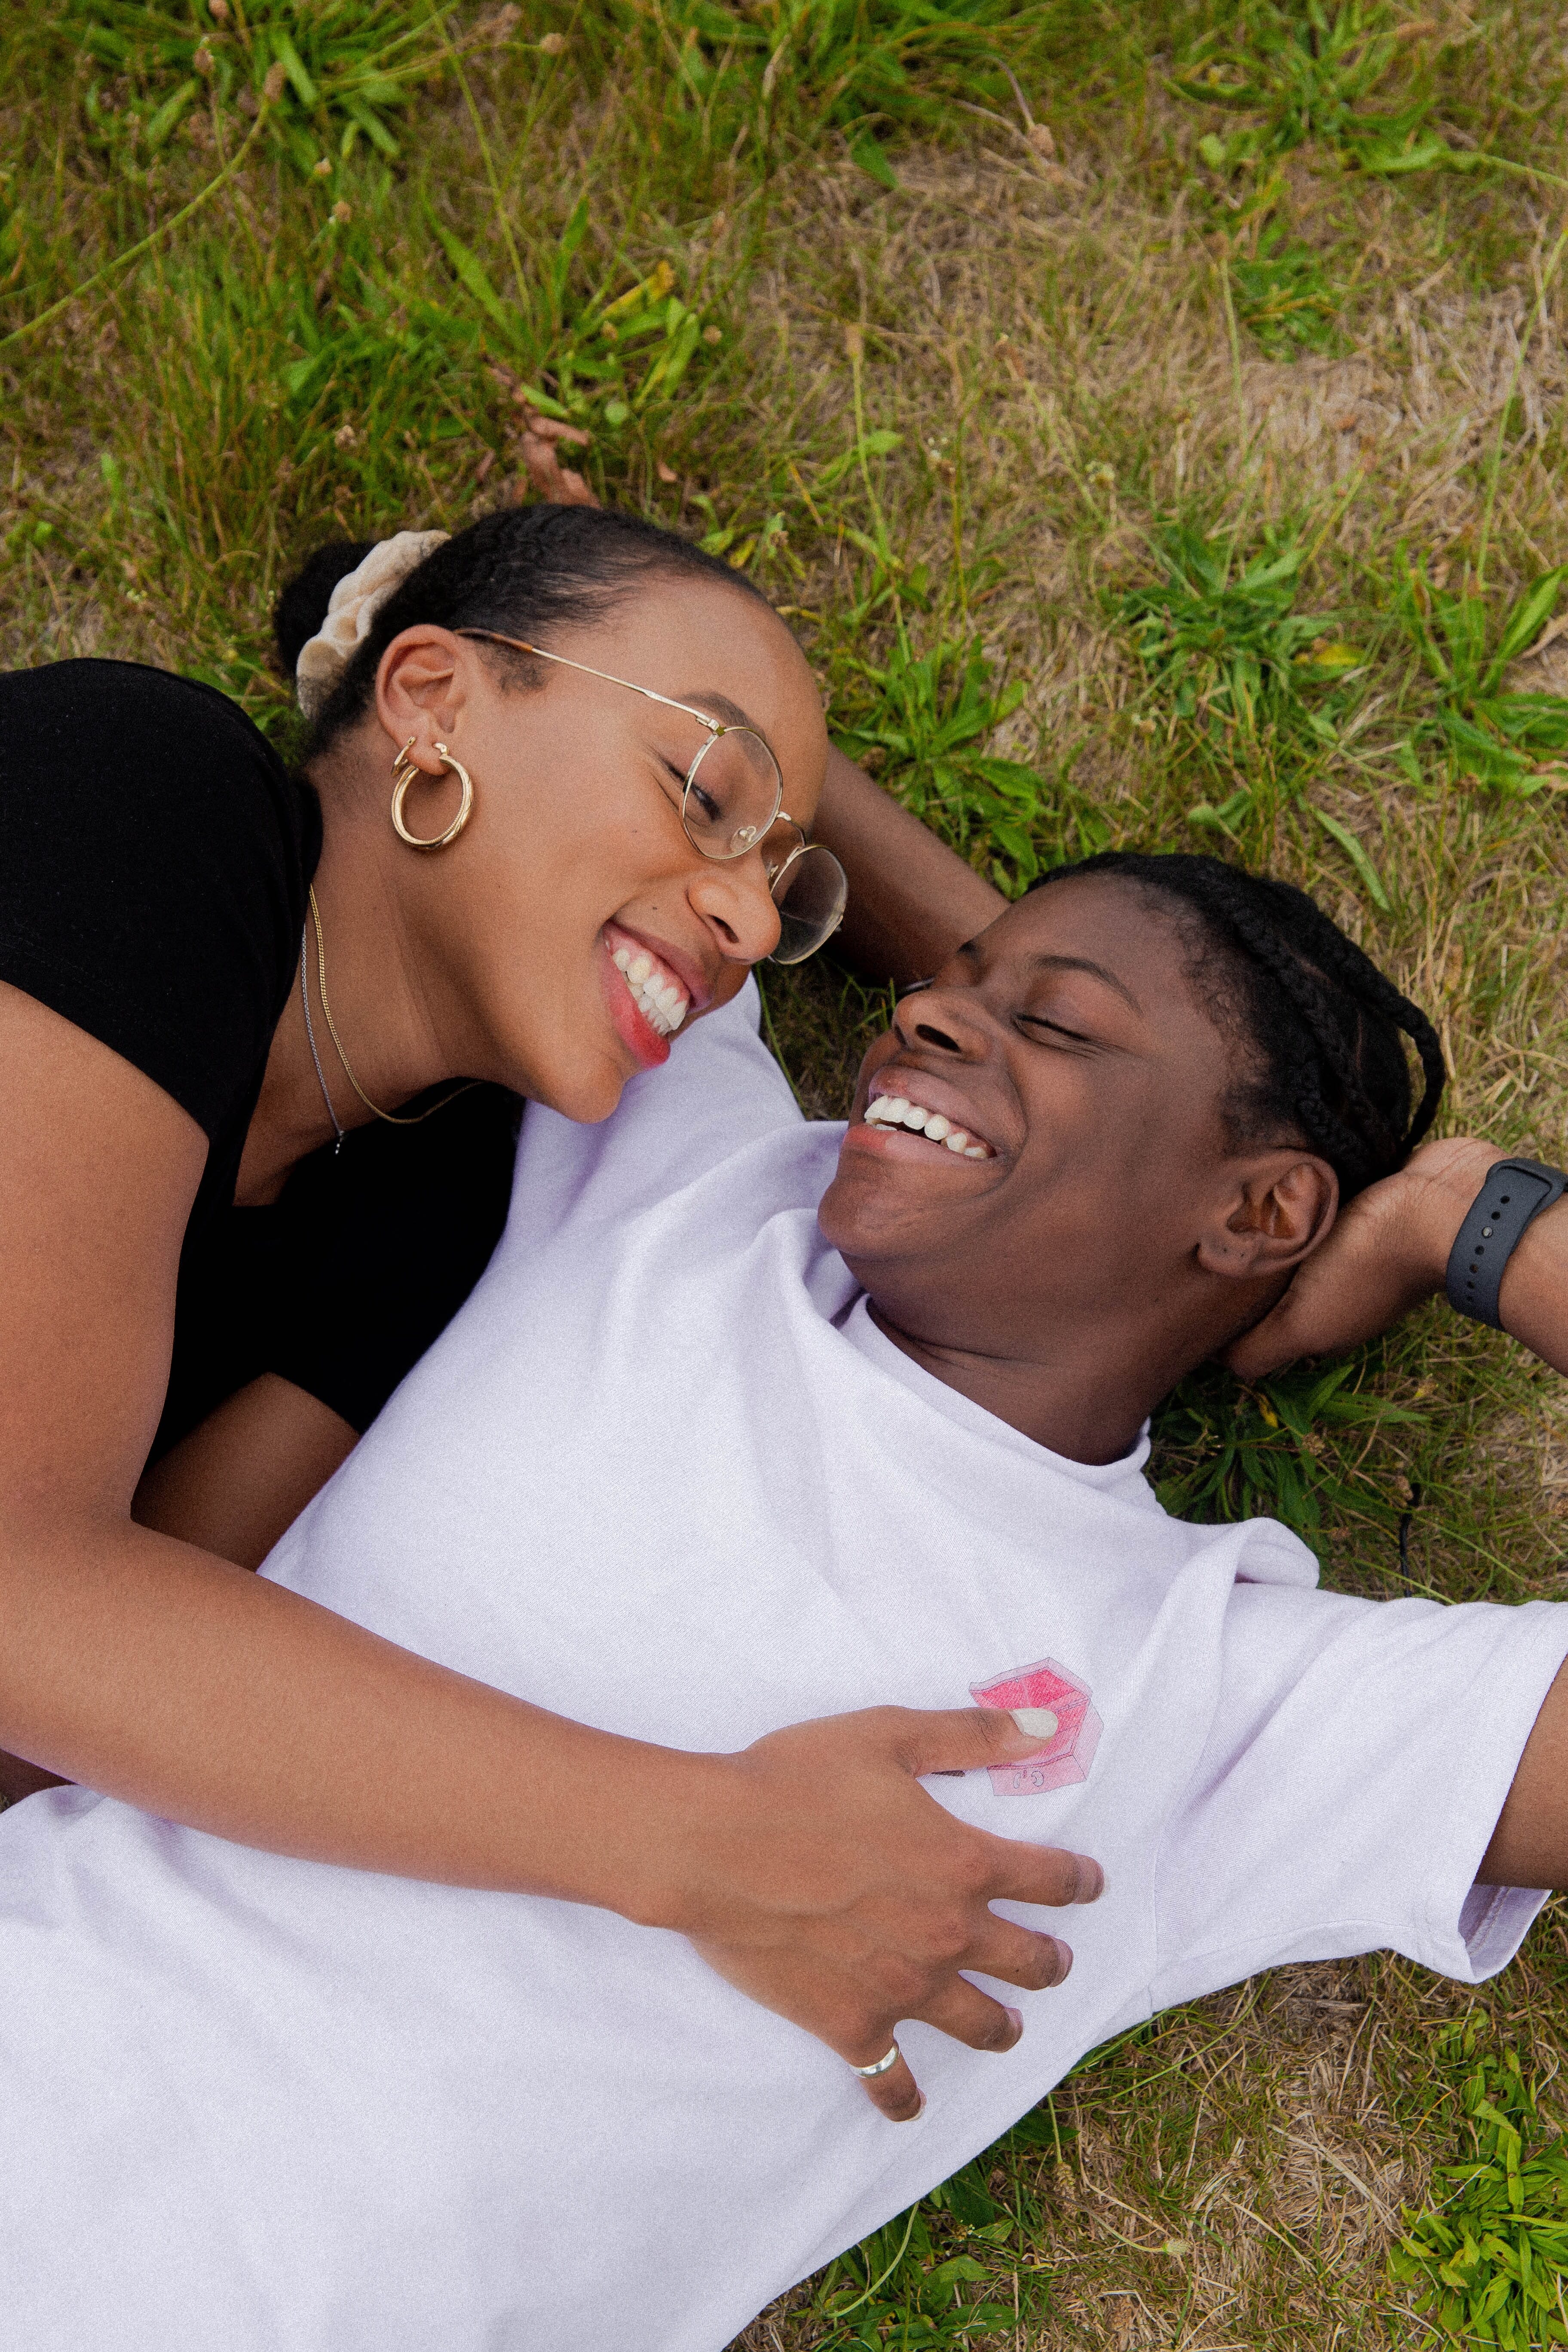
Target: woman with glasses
263 1037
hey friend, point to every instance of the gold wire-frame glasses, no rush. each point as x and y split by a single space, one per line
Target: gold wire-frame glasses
732 803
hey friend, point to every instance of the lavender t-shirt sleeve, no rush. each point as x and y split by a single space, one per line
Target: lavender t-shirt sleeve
1358 1759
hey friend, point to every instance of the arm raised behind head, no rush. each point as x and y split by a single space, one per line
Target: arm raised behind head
913 900
1389 1253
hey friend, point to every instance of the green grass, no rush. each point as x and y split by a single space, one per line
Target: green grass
1149 416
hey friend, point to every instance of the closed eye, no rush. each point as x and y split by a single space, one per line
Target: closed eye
1038 1021
676 776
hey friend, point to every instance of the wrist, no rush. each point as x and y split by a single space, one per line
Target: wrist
678 1829
1443 1179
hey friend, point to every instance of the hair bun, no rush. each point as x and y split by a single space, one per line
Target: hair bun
302 608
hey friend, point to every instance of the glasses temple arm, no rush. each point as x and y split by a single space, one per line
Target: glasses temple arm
606 677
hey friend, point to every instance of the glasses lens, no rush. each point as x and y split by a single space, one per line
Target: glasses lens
732 794
811 894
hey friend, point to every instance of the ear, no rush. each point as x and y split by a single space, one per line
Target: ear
425 677
1282 1209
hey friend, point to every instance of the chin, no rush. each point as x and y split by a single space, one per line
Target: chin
854 1216
584 1093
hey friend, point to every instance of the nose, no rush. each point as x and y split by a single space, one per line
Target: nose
943 1020
930 1035
733 902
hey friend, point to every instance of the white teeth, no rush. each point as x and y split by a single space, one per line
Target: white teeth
662 1002
897 1110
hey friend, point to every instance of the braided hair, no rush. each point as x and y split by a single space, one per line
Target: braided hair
1325 1031
525 570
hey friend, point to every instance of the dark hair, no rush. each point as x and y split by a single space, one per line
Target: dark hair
526 571
1326 1029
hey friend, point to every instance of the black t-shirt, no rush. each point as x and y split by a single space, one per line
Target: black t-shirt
154 857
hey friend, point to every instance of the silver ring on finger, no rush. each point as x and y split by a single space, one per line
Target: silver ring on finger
882 2066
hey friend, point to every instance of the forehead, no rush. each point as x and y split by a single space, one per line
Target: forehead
1115 932
683 635
719 648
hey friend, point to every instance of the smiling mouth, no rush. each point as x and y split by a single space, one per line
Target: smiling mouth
653 989
914 1119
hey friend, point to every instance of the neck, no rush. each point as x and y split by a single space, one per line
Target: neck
1086 1398
380 1006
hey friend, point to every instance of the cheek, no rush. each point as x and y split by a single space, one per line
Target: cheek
727 987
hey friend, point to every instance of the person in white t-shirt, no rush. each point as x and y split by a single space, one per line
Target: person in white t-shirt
695 1464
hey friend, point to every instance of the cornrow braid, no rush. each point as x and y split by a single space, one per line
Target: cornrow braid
1324 1029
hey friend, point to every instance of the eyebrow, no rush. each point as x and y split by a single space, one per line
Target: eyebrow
1095 972
720 707
1045 962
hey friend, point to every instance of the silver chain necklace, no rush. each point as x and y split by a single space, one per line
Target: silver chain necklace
311 1033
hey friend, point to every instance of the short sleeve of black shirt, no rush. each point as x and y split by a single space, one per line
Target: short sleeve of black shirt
152 880
154 859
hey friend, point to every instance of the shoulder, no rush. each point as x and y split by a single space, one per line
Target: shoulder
156 854
701 1116
137 748
71 702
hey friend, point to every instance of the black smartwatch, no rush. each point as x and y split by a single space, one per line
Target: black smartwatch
1515 1191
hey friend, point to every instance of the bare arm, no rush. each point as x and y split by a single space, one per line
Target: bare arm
1389 1253
247 1472
811 1867
912 899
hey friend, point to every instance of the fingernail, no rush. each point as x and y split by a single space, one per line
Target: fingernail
1064 1953
1090 1880
920 2110
1017 2017
1034 1722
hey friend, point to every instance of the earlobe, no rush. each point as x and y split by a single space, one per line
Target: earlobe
1285 1210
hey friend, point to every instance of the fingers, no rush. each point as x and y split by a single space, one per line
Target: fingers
896 2093
1265 1347
554 429
972 2017
962 1738
1017 1956
1041 1873
558 485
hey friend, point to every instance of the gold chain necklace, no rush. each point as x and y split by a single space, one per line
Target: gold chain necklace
392 1117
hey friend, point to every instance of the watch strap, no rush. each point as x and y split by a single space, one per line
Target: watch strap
1515 1191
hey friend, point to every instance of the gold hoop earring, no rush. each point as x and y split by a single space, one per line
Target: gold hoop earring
405 773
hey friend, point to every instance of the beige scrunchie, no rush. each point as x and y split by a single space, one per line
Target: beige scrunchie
354 606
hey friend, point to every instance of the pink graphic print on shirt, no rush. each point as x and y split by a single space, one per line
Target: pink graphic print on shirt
1068 1753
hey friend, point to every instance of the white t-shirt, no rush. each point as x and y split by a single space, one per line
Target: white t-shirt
664 1474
